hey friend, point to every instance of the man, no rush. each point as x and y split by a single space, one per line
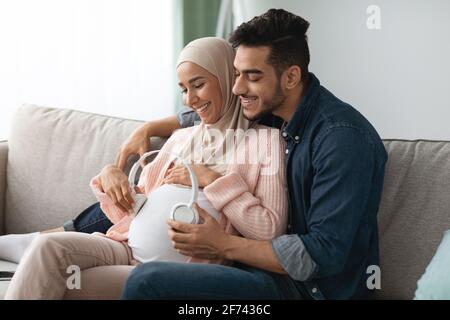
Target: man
335 167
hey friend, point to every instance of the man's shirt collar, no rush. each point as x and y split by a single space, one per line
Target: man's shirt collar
293 130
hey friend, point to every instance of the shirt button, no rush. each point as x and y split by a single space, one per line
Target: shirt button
287 151
297 138
284 134
314 290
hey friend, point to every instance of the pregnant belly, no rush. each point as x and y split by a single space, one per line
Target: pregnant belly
148 234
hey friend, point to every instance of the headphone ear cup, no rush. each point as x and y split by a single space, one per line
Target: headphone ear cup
184 213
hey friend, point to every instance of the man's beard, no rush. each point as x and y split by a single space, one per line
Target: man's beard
275 102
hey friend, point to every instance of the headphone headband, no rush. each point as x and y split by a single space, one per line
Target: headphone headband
194 182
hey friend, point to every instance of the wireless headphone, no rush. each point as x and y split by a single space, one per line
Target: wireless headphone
181 211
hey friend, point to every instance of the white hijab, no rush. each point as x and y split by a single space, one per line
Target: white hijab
209 143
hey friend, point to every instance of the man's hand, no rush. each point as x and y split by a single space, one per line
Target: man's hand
115 184
137 144
139 141
209 241
204 241
180 175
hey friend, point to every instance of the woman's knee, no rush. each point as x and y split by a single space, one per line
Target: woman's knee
46 244
43 240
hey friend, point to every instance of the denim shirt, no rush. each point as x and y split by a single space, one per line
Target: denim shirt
335 169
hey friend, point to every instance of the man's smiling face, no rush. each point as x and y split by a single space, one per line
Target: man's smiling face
257 84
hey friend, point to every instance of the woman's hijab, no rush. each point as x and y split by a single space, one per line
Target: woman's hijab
211 144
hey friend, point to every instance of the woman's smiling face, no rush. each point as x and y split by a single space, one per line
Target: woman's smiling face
201 91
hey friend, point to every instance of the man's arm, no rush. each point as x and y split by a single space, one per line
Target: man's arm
344 165
255 253
209 241
284 255
187 117
162 127
139 141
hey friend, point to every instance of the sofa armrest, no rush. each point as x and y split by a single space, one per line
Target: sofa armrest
3 161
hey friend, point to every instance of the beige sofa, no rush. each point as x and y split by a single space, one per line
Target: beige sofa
51 155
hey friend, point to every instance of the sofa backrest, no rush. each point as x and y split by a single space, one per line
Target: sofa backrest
414 212
53 154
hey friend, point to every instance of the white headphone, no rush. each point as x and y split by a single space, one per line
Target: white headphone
181 211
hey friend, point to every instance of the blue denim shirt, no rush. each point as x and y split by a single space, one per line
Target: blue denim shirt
335 169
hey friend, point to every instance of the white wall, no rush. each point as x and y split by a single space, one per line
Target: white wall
398 76
113 57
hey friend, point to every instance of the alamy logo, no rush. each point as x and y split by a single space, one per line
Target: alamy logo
374 280
265 150
74 280
374 19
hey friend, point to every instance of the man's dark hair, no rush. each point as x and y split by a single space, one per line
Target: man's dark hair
283 32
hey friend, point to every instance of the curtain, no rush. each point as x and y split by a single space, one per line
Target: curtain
199 18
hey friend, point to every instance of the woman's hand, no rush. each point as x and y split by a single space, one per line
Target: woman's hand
115 184
179 174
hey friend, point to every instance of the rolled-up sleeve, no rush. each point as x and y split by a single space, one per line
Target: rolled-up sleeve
293 257
187 117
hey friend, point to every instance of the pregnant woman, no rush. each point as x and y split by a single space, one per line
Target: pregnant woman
240 176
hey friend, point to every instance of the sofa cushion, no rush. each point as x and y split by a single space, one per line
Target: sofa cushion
3 162
53 154
5 266
414 212
435 283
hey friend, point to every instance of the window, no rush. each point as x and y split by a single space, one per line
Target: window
112 57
